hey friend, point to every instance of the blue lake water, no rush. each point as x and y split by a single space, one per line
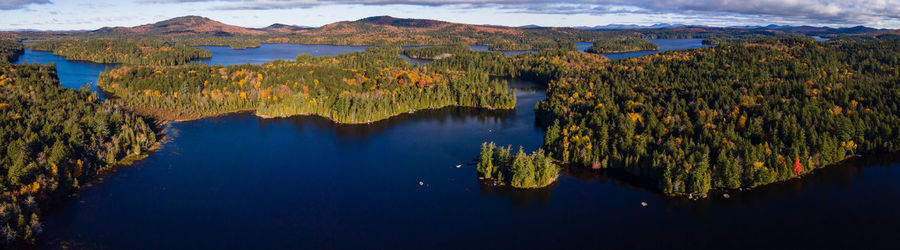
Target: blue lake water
664 45
583 46
239 181
72 74
820 39
267 52
480 47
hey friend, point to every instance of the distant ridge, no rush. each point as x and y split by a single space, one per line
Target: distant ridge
186 25
629 26
197 25
284 28
406 26
403 22
772 27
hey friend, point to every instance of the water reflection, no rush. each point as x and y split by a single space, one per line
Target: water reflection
364 132
520 198
831 182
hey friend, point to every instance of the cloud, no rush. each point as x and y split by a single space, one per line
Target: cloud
169 1
18 4
271 4
831 11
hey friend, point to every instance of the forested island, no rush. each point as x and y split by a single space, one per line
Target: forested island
358 87
737 115
519 170
121 51
621 45
53 141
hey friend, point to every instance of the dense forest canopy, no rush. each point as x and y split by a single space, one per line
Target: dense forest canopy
121 51
519 170
737 115
355 87
54 138
10 50
437 52
753 110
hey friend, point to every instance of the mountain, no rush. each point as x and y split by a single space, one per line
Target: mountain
406 27
531 26
391 28
403 22
284 28
629 26
850 30
186 25
809 30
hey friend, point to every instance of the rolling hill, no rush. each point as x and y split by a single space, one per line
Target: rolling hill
186 25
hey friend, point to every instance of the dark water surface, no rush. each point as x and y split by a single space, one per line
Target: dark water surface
239 181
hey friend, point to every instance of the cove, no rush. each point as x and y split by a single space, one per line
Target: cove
72 74
239 181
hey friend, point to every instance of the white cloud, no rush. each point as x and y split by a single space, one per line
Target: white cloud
832 11
18 4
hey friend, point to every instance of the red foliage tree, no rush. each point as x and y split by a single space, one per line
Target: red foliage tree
798 167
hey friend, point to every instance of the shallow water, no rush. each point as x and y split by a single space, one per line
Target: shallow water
239 181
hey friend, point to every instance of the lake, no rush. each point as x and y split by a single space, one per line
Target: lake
267 52
664 45
820 39
239 181
72 74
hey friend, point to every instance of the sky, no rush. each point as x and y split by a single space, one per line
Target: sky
94 14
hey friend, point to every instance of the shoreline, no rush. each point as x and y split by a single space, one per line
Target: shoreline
642 180
620 52
497 183
152 112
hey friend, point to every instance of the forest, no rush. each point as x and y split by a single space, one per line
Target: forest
137 51
53 141
519 170
376 30
358 87
10 50
739 115
751 111
621 45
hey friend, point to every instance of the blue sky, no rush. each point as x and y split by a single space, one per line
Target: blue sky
82 14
